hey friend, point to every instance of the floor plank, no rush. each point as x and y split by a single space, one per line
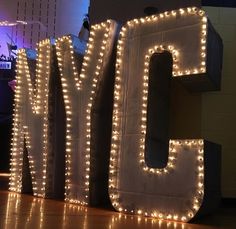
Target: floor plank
26 212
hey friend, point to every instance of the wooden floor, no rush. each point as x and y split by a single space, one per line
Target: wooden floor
26 212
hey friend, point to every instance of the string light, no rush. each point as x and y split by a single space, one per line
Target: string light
175 146
79 101
30 111
86 84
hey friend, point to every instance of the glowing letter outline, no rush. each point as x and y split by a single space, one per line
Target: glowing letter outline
31 119
127 197
79 101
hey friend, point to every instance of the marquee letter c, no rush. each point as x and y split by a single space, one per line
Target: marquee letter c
176 191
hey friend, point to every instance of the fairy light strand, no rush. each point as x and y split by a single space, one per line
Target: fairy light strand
90 73
173 144
38 102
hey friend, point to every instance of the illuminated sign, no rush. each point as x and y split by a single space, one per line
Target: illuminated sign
5 65
184 34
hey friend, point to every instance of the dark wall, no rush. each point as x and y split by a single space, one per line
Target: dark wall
6 110
219 3
123 10
5 143
6 99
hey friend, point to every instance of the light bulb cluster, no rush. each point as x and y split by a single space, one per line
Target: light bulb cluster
86 83
175 147
177 70
117 120
31 104
65 45
145 83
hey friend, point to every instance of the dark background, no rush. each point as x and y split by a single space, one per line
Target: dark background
219 3
6 112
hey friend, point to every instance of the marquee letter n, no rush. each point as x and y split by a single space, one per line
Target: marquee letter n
31 118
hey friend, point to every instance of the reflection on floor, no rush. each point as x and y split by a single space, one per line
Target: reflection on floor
26 212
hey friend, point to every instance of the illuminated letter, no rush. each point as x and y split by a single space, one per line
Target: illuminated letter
81 92
176 191
31 118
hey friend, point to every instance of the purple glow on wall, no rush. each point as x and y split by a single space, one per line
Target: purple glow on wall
6 32
54 19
